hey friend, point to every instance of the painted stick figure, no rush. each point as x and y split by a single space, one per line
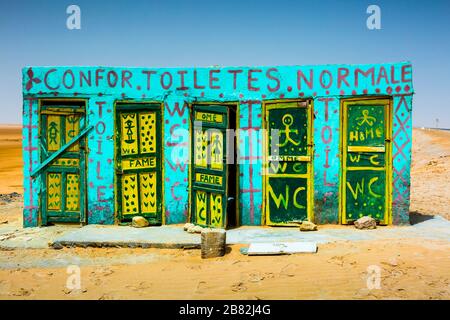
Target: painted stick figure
53 132
288 120
129 126
366 118
217 148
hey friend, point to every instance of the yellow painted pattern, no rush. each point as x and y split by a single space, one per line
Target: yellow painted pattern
73 192
208 178
148 192
289 158
53 133
200 207
129 138
216 210
216 150
54 191
200 148
66 162
139 163
365 149
209 117
147 131
130 194
72 130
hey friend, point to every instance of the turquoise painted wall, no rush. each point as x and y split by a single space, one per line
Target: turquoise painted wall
249 86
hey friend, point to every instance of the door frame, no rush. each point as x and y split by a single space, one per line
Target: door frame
236 106
388 158
42 200
310 174
138 105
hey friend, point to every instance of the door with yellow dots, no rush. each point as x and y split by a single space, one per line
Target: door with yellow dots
366 160
63 179
138 162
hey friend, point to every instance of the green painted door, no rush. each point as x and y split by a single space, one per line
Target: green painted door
63 179
288 165
366 160
138 162
209 167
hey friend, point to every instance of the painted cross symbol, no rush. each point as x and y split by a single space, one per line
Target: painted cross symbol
31 80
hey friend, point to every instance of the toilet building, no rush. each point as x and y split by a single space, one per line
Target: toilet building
218 146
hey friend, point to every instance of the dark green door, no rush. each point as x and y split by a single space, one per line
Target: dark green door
63 179
366 160
288 165
209 167
138 162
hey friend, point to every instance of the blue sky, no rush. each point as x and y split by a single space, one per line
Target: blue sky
203 33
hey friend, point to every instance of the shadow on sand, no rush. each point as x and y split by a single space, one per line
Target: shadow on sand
417 217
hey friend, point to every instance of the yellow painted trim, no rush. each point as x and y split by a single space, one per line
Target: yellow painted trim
365 168
286 104
199 176
275 104
287 175
290 159
238 167
365 149
387 103
145 163
59 112
215 117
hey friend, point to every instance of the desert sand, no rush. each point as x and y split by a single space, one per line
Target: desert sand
410 269
11 163
430 173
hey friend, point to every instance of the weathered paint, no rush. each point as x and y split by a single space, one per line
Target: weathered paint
366 156
288 162
209 178
250 87
138 162
63 178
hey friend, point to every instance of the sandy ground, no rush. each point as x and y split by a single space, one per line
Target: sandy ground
408 268
11 176
413 270
430 173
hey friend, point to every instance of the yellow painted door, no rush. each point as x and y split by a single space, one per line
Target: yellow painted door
138 162
209 170
63 179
